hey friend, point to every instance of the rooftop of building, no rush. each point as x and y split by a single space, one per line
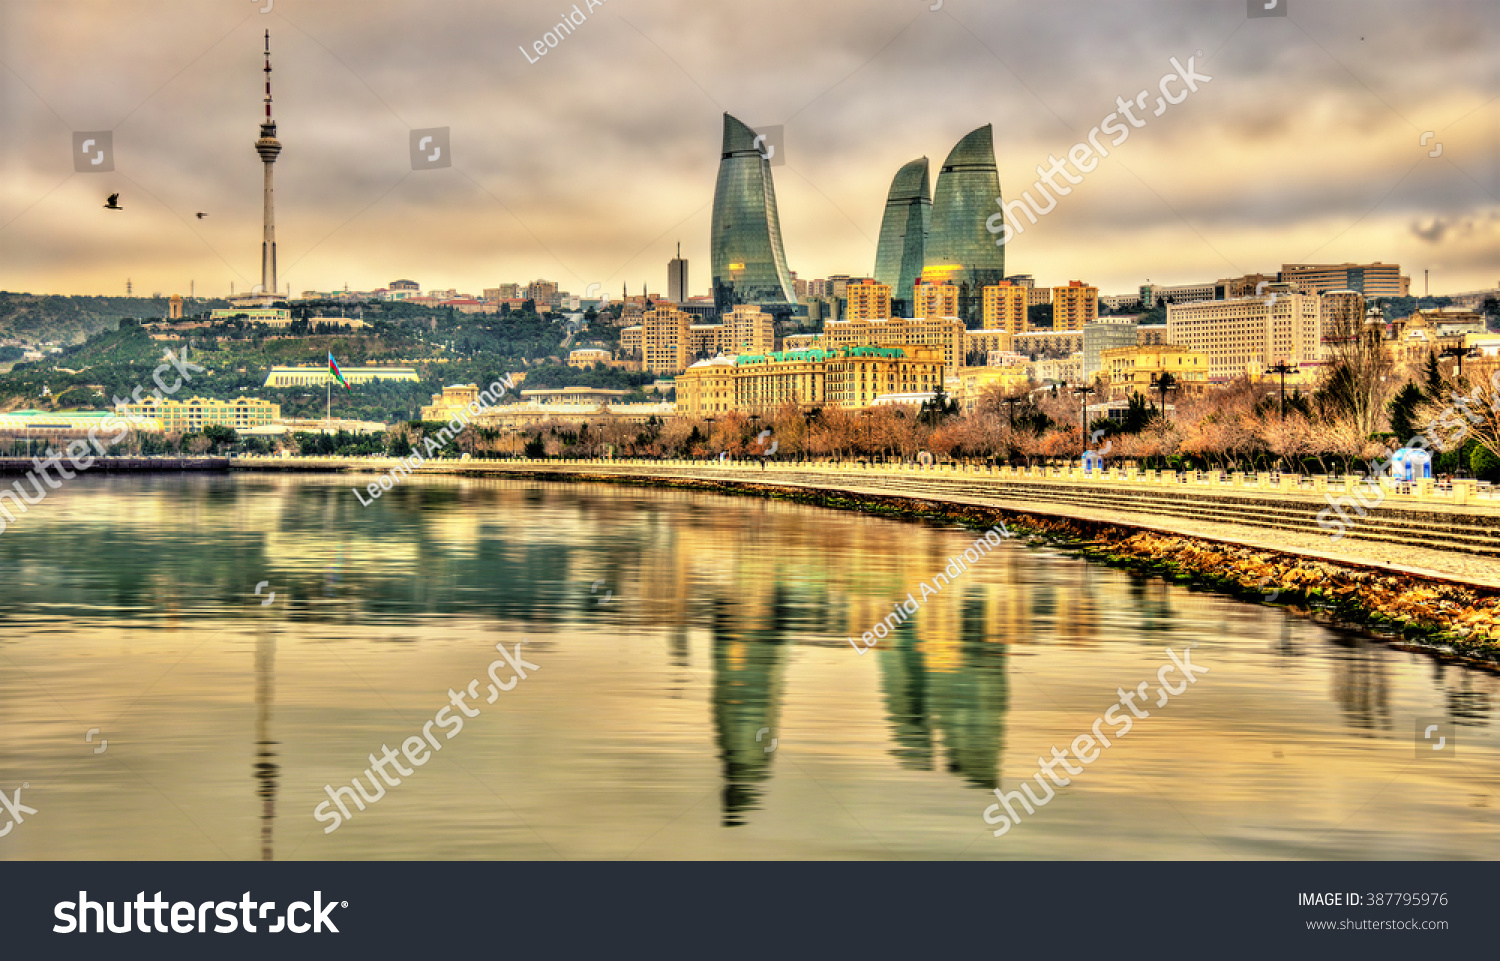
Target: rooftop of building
347 370
590 391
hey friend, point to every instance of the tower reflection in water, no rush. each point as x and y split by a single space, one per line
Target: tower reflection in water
749 663
266 769
943 678
953 708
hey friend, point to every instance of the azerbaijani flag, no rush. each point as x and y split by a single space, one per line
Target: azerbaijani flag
333 371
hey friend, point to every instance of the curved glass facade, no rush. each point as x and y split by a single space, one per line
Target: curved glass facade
960 249
903 231
747 260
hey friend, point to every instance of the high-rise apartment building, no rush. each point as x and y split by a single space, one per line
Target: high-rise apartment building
1074 306
1372 280
665 339
935 300
1005 307
749 330
677 278
1249 333
868 300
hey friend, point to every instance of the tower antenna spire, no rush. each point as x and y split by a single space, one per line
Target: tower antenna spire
268 147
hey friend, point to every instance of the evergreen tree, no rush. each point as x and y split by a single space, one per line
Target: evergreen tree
1402 409
1434 377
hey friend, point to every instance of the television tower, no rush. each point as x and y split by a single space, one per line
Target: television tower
268 147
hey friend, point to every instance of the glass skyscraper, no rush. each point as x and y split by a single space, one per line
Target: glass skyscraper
903 234
748 263
960 249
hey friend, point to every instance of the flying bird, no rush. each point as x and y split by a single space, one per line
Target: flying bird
201 215
113 203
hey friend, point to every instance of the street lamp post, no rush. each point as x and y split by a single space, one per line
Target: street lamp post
1010 403
1083 413
1283 368
1460 353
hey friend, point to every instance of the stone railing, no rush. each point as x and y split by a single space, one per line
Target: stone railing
1313 486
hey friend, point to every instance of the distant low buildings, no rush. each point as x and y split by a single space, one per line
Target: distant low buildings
272 316
1131 370
1052 343
452 399
62 425
196 413
596 396
585 357
971 382
1060 370
319 376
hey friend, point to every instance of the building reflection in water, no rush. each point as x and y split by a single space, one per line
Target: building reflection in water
749 665
266 769
959 704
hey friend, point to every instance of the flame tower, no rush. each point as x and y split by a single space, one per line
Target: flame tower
268 147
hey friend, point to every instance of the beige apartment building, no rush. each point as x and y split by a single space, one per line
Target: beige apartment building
1280 325
868 300
1074 306
1343 312
749 330
674 341
665 347
935 300
1004 307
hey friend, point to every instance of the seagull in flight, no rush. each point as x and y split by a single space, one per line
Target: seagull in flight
201 215
113 203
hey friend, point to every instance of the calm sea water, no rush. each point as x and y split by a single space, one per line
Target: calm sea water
695 697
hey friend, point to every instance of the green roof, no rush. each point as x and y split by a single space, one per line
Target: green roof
818 354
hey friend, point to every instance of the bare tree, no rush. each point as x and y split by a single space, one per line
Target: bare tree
1359 375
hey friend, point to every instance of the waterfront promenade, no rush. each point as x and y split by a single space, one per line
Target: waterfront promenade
1417 529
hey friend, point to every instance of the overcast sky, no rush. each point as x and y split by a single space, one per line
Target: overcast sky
589 165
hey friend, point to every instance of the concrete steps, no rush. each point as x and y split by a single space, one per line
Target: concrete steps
1470 534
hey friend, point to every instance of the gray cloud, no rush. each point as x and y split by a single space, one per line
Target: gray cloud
590 164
